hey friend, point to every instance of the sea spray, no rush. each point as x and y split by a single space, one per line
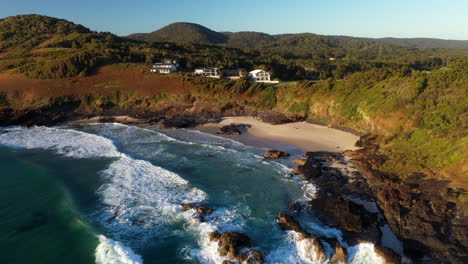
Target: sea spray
112 252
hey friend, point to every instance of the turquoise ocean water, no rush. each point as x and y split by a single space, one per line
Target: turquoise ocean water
111 193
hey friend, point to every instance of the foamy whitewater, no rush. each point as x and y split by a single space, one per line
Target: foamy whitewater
140 202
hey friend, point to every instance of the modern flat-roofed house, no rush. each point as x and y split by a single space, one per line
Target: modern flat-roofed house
232 74
168 66
259 76
209 72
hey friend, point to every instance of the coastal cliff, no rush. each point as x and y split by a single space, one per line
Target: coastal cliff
413 165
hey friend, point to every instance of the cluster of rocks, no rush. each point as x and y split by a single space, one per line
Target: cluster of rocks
232 245
234 129
184 121
340 198
275 154
236 246
287 222
202 211
423 212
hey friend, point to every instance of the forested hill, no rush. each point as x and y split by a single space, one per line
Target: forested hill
421 43
49 48
194 33
26 31
183 32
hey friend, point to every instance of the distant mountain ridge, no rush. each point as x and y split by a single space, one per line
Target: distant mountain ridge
198 34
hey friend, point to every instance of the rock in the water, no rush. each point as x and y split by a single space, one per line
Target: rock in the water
233 129
203 210
275 154
231 243
311 249
287 222
251 256
300 162
389 255
340 255
3 131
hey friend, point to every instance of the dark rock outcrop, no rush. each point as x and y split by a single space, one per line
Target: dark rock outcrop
340 255
287 222
179 122
203 210
425 213
279 118
233 129
251 256
58 111
231 243
275 154
339 212
389 255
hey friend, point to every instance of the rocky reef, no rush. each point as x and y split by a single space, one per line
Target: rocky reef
423 212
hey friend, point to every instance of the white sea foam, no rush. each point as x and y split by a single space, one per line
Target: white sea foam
137 195
364 254
112 252
70 143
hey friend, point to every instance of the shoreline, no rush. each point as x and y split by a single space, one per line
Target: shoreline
290 137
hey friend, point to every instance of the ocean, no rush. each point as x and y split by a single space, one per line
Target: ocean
111 193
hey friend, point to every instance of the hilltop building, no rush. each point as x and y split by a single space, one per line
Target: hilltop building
165 67
260 76
232 74
209 72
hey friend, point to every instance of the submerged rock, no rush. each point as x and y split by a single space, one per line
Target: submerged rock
233 129
231 243
275 154
37 220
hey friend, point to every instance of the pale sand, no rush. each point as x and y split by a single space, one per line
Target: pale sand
295 137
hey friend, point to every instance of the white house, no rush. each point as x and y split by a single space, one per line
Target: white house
166 67
260 76
209 72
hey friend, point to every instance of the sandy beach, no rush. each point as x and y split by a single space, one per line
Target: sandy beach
292 137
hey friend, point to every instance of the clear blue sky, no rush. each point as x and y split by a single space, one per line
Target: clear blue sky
363 18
